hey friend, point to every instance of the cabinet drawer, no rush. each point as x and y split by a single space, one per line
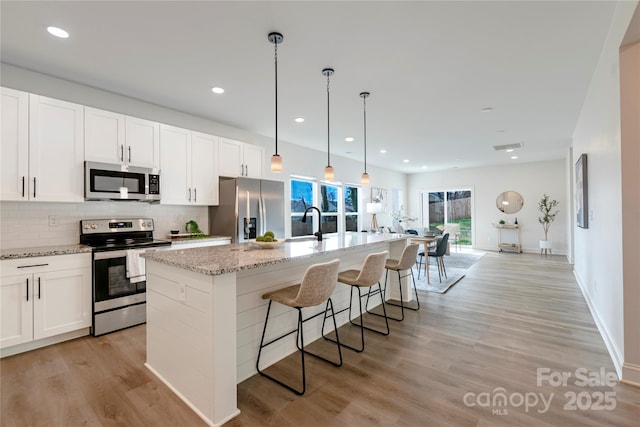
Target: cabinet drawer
15 267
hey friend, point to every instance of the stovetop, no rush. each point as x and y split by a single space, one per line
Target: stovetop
117 234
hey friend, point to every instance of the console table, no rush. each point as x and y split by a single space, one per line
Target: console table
510 229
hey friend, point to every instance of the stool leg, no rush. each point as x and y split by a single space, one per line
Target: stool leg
361 324
262 345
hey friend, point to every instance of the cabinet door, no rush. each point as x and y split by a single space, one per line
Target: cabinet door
204 169
175 181
56 144
103 136
230 158
15 145
143 143
253 156
16 310
61 302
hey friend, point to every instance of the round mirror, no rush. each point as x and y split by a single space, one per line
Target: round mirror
509 202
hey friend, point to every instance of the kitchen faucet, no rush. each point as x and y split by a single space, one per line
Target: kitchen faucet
304 219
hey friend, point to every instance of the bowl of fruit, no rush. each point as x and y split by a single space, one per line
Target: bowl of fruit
268 241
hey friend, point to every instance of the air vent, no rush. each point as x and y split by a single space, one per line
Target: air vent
507 147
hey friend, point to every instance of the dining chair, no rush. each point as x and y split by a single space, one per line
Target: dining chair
438 254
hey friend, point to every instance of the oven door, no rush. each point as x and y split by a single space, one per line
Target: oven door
111 287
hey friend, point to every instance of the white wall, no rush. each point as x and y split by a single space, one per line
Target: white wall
531 180
598 249
630 133
27 224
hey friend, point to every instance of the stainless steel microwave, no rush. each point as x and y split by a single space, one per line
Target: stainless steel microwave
105 181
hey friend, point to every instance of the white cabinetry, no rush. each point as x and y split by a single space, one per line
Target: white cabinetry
116 138
15 145
42 297
188 162
45 162
237 158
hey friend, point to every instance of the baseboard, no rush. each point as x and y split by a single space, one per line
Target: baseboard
615 355
630 374
43 342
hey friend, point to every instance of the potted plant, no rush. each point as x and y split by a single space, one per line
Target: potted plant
546 207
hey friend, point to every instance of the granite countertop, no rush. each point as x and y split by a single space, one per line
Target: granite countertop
43 251
216 260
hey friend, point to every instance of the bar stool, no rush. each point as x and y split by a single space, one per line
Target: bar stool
404 263
366 277
316 287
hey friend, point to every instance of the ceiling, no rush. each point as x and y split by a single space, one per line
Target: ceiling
431 68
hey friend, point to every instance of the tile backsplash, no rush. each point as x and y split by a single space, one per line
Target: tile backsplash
29 224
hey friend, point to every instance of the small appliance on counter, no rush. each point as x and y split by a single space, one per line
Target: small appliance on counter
248 208
119 281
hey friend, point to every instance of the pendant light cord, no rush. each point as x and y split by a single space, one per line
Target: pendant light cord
364 100
276 74
328 118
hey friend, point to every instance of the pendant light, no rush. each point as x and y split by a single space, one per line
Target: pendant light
364 179
276 39
328 170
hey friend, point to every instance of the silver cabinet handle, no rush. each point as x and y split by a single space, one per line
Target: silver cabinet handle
122 152
195 195
129 149
189 194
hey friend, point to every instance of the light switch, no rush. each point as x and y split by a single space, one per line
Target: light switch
53 221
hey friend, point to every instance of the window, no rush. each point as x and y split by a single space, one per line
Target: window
351 208
301 198
339 204
329 208
448 207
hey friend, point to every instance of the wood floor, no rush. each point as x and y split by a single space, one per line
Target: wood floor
448 364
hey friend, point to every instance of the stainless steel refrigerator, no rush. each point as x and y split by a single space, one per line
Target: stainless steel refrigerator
248 208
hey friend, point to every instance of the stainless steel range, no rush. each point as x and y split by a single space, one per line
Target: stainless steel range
119 281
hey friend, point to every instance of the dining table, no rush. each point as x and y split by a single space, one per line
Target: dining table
427 243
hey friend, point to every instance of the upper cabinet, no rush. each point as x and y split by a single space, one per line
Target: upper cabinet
237 158
116 138
15 145
45 162
188 161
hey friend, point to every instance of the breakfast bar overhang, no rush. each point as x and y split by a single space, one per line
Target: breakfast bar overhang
205 312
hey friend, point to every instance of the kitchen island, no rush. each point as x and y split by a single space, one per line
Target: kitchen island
205 312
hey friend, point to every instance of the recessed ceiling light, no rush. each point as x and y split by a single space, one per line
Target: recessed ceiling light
299 120
509 150
349 139
217 90
514 157
425 167
383 151
487 109
58 32
405 161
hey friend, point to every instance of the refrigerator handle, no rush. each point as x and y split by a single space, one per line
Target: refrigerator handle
235 227
263 217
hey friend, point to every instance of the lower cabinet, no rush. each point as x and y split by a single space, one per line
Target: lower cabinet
42 297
